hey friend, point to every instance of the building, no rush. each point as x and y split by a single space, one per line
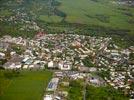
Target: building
64 66
48 97
14 62
52 86
51 64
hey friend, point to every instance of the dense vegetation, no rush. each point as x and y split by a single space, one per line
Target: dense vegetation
131 56
94 93
104 93
104 74
75 91
87 62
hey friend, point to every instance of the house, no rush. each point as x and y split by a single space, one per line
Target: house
51 64
4 46
12 65
29 61
2 55
95 81
18 65
16 58
92 69
7 38
60 65
14 62
25 66
76 44
25 59
7 65
48 97
59 74
31 66
83 69
64 66
39 35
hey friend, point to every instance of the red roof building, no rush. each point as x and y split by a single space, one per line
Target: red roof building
40 35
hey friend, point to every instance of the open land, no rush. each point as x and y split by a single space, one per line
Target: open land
27 85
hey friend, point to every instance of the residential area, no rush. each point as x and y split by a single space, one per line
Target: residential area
95 61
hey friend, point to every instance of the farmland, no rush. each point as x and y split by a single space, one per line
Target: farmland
28 85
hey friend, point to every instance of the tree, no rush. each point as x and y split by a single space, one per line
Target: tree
75 91
131 56
87 62
18 49
104 93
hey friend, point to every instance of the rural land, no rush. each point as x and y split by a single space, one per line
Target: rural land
66 49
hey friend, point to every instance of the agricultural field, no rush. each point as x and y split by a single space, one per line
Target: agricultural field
25 85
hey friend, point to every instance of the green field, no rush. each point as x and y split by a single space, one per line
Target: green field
54 19
29 85
76 89
98 12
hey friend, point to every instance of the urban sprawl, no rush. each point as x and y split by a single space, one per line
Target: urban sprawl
70 57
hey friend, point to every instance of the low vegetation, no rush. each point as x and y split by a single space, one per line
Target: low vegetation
94 93
87 62
23 85
75 91
104 93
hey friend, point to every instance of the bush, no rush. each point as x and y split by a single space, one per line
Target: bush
104 93
131 56
75 91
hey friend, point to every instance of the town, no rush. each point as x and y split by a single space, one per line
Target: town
94 60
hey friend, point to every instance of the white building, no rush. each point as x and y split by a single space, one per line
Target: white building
51 64
64 66
48 97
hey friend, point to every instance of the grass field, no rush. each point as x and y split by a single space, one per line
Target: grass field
103 13
29 85
98 12
54 19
